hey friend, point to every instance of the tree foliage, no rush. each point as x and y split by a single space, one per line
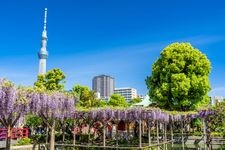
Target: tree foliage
180 78
85 97
53 80
33 121
135 100
117 100
217 122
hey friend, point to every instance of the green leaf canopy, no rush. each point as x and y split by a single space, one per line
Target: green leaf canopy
180 78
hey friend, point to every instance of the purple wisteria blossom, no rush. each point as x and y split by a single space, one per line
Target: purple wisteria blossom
13 105
51 107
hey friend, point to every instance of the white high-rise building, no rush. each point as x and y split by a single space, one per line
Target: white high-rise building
104 85
127 92
43 53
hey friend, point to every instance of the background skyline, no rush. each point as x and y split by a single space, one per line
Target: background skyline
118 38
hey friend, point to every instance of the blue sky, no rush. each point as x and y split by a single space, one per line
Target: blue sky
120 38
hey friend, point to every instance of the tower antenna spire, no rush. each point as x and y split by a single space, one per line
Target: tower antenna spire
45 18
43 53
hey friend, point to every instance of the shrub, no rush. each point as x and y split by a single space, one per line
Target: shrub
23 141
39 138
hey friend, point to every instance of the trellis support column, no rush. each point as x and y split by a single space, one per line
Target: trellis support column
157 133
104 125
166 135
149 134
117 136
74 135
204 133
171 131
140 134
182 133
163 134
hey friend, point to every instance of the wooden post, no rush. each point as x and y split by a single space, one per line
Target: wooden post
171 131
204 133
117 135
143 127
140 133
128 129
182 133
149 135
74 135
157 133
166 135
163 135
103 135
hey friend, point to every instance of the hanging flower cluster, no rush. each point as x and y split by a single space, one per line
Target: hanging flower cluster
205 113
135 114
13 103
16 102
54 105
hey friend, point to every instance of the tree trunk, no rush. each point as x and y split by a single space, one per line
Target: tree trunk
8 139
46 140
32 130
52 137
63 137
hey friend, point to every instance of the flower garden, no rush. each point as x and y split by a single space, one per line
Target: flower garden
94 128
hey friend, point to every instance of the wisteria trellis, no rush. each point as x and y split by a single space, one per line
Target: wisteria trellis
149 115
16 102
134 114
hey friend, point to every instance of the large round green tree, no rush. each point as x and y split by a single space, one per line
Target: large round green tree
180 78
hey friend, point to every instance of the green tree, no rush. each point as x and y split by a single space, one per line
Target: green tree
180 78
80 91
135 100
117 100
33 121
85 97
53 80
102 103
40 83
